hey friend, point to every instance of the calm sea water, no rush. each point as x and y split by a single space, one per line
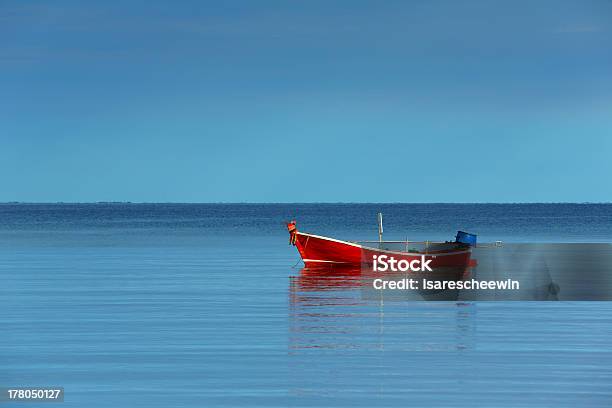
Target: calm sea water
159 305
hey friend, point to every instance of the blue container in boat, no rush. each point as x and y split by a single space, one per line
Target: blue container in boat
466 238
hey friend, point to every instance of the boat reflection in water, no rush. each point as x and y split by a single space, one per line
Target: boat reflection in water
369 282
337 307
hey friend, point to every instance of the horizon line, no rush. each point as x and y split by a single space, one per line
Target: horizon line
298 202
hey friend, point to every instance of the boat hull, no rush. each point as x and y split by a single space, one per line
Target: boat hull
318 251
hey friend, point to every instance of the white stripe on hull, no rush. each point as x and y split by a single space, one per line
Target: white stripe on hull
320 260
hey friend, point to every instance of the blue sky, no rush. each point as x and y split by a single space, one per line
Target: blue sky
317 101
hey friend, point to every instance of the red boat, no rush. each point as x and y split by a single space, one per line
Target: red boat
317 250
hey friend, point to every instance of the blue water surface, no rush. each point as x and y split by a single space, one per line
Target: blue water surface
186 305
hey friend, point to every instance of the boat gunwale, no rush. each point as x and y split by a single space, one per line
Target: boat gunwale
353 243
